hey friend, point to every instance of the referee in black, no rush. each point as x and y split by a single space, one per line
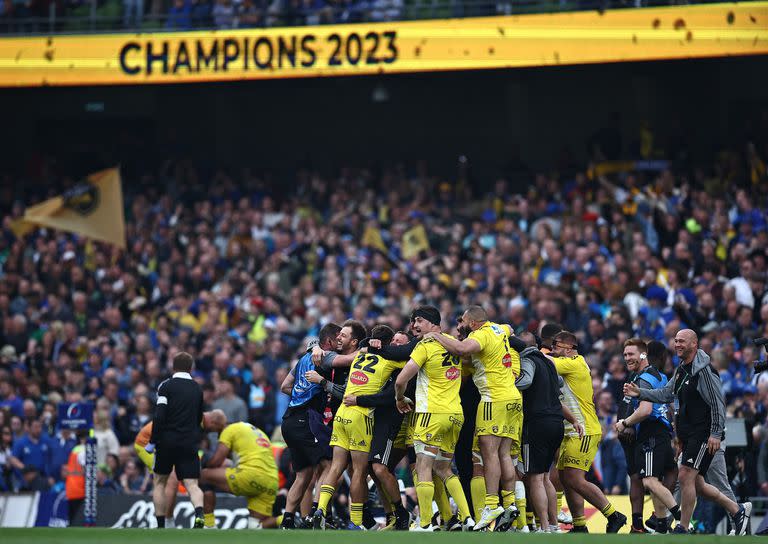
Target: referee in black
176 433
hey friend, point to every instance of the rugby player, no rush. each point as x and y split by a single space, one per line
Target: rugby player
353 427
577 454
388 443
500 412
254 475
437 416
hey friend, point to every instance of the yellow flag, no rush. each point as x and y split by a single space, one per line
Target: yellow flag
93 208
414 242
372 238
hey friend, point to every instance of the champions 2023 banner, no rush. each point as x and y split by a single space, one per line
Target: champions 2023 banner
674 32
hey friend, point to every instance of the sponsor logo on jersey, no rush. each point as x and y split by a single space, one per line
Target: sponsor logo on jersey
358 378
507 360
452 373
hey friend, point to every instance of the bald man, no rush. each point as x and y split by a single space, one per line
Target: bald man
700 427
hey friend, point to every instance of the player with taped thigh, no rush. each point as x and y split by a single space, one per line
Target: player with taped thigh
393 352
438 418
499 414
254 475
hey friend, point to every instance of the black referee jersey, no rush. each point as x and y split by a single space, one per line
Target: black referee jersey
179 414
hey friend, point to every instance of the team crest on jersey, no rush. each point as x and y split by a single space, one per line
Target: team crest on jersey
358 378
495 429
452 373
507 360
429 436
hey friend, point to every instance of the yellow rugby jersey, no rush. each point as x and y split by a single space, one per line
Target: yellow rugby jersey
493 364
250 446
578 393
439 378
367 376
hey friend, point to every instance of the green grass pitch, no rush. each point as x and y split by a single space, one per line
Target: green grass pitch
188 536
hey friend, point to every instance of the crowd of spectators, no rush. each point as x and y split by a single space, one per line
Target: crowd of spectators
240 273
41 15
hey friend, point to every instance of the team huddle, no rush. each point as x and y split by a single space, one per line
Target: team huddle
390 395
363 401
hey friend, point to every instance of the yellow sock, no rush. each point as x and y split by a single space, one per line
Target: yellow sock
210 520
425 491
491 501
521 505
441 498
326 494
529 518
356 513
608 510
507 498
559 501
477 487
453 485
415 477
579 521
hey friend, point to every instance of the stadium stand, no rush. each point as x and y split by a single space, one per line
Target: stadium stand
239 273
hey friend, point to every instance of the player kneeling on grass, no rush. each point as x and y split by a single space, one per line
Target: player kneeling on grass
254 476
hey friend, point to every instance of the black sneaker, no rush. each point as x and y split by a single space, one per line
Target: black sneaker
454 524
741 518
289 522
679 530
402 520
651 523
616 521
199 523
579 529
318 520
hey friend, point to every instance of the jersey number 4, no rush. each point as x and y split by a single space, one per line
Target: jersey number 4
372 360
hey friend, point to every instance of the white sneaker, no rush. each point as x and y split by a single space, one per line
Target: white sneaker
468 525
525 529
211 528
555 529
254 523
428 529
487 516
564 517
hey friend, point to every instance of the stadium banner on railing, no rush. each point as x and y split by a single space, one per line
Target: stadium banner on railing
50 509
676 32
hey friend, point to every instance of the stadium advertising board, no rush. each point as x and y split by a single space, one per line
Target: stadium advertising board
417 46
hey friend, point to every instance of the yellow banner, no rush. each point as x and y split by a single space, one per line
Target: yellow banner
674 32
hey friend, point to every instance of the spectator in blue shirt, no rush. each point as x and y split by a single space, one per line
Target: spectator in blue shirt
61 447
180 15
33 449
8 398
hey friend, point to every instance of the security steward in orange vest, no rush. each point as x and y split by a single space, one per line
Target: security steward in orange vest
75 478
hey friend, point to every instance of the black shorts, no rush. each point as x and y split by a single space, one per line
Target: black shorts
654 456
542 438
307 441
695 453
629 455
385 431
184 459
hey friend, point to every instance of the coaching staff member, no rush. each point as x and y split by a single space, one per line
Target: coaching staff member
176 436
